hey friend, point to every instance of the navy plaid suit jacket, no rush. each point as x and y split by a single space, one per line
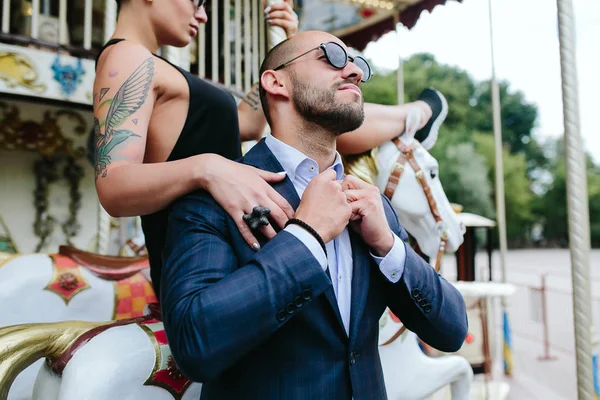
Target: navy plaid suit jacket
265 325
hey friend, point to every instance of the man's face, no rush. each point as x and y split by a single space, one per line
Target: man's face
327 96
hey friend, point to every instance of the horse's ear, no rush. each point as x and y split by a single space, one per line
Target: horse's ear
413 120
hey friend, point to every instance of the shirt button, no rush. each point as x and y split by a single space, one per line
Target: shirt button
394 274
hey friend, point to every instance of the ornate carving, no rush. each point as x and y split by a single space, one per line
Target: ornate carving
67 279
46 173
173 371
165 373
45 137
69 77
19 70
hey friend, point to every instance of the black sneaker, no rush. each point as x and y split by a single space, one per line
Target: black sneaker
428 134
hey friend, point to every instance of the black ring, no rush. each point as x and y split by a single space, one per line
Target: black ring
258 217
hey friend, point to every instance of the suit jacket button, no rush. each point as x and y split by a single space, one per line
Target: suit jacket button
423 302
427 307
290 308
352 358
416 293
306 294
298 301
281 316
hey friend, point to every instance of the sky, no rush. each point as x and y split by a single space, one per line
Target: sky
526 51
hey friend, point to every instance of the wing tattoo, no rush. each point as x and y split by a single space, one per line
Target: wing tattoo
128 99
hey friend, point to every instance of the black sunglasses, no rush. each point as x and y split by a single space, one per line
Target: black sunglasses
338 58
199 3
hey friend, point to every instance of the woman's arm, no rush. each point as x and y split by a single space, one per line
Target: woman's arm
124 97
250 113
382 123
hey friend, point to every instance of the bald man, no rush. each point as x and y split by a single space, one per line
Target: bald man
298 319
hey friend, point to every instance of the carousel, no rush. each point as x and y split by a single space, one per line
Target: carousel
75 292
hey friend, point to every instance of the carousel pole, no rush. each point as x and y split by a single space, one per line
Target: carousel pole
577 201
400 71
110 18
499 186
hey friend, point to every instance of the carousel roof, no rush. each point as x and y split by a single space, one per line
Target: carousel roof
359 22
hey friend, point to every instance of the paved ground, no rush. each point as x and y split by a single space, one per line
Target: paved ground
533 378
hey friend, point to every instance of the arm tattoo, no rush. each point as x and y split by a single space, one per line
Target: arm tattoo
253 98
103 92
127 100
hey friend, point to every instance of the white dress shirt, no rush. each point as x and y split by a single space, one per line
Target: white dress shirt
300 170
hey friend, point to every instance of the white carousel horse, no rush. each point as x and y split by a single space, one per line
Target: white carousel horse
416 376
422 206
100 369
73 285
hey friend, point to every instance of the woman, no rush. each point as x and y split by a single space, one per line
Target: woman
162 132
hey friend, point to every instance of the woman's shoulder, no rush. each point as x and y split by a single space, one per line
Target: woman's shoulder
123 53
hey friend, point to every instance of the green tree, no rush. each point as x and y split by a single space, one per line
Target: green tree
518 120
464 175
551 207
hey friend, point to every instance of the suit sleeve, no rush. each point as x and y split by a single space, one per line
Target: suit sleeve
216 311
425 302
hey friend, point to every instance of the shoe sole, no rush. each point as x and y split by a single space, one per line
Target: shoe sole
429 142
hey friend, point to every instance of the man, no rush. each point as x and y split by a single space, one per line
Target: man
299 318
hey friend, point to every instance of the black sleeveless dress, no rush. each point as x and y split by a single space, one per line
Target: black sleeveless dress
211 126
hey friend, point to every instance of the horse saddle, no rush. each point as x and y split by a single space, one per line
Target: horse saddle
106 267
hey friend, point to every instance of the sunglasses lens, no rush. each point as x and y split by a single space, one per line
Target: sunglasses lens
336 54
364 66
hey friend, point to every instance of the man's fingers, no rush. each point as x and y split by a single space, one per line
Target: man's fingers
355 194
352 182
358 206
247 233
327 175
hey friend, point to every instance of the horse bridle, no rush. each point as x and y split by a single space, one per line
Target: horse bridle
407 155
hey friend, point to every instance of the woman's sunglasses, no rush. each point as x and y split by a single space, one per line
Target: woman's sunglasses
338 58
199 3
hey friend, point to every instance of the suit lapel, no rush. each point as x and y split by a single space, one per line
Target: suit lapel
261 157
360 282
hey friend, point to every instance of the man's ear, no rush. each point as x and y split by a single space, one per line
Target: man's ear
275 83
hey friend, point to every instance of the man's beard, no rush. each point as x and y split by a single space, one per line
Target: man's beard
319 106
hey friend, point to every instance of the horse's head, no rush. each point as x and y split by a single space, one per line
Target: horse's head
409 177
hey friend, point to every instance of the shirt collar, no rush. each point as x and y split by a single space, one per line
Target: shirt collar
290 158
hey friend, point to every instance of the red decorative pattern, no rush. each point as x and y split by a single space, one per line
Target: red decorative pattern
166 374
67 279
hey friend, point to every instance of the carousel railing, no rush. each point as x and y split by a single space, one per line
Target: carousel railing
227 50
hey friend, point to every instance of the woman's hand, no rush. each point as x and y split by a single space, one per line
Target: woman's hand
238 188
282 14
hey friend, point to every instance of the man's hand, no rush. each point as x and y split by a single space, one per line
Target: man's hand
368 217
324 206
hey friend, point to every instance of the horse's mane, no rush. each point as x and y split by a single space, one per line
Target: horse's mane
362 166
